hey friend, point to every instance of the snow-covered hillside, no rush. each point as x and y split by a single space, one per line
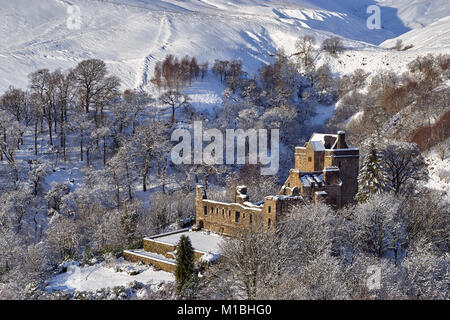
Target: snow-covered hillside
132 35
435 36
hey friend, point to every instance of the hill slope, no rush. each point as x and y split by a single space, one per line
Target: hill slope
131 35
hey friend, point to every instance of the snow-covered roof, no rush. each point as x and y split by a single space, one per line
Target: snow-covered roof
328 140
321 137
312 179
201 241
318 145
259 203
250 204
227 204
286 197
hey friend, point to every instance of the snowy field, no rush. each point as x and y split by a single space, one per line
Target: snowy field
106 275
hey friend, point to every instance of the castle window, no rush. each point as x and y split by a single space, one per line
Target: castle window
238 216
268 209
212 210
251 219
217 211
269 223
243 215
229 213
205 210
223 212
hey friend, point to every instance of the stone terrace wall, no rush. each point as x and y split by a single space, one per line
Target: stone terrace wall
163 265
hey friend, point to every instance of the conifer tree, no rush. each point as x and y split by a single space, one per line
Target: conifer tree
371 179
184 273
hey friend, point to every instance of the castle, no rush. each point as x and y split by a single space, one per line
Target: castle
326 169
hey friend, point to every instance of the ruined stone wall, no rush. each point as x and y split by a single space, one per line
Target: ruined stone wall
226 218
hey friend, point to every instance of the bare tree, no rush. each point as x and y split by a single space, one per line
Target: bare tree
250 264
305 50
43 86
404 166
174 100
234 74
89 75
157 77
203 69
220 68
138 103
333 46
9 141
145 146
65 82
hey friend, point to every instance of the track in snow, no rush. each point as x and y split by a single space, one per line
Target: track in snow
162 38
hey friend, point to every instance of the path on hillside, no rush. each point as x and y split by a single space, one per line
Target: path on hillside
161 42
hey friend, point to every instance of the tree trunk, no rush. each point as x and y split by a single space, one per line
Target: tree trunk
173 114
50 130
81 145
35 138
130 196
104 150
61 129
144 183
87 102
64 147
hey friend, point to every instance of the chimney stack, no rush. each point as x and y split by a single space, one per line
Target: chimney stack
341 144
241 195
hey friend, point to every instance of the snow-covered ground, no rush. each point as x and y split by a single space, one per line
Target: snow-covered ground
439 171
104 275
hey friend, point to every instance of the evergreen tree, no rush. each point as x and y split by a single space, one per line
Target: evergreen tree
185 273
371 179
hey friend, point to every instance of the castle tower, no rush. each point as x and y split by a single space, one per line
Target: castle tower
325 164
